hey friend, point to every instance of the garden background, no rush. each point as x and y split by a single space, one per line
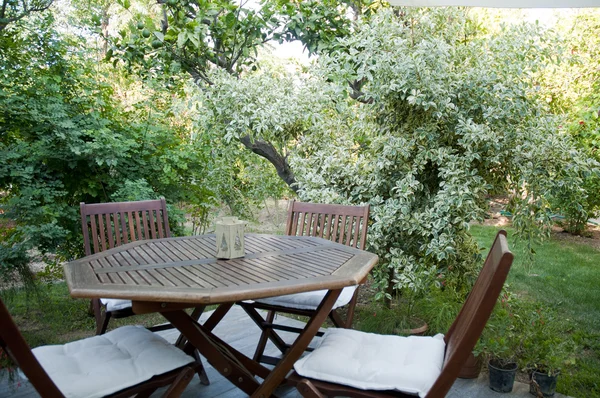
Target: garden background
429 115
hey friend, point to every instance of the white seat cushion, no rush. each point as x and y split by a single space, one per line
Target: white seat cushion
115 304
309 300
375 362
101 365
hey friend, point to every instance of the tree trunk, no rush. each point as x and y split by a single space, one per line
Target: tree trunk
104 27
268 151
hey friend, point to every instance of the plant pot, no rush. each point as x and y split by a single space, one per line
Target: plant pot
417 327
471 368
502 378
541 382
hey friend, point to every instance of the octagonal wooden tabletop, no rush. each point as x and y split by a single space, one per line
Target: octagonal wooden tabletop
185 270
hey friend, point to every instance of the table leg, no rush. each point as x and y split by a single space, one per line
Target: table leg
236 367
286 363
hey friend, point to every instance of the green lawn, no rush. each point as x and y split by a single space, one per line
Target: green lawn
566 277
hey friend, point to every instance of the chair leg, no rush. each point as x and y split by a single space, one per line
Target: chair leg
351 307
180 383
308 390
102 325
201 371
146 393
264 336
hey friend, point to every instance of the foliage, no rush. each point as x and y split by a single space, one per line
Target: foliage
544 348
503 336
66 138
318 24
571 86
268 111
528 332
446 118
193 36
14 10
562 284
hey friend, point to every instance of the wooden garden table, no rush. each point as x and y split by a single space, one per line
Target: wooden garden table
170 274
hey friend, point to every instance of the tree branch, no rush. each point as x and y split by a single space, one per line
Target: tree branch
356 92
26 11
268 151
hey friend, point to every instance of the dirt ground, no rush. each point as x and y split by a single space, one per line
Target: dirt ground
591 236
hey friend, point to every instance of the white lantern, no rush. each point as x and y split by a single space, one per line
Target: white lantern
230 237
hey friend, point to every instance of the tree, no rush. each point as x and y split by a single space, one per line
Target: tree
571 86
448 118
66 138
199 37
15 10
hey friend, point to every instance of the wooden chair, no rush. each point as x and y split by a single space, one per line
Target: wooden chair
108 225
429 367
100 365
343 224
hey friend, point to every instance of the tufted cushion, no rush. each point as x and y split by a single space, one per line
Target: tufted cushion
101 365
115 304
375 362
309 300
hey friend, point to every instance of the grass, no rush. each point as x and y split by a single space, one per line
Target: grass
564 276
48 315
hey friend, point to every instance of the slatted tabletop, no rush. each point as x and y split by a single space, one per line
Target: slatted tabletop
185 270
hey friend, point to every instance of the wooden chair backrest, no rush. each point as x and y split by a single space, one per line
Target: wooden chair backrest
13 343
474 314
338 223
107 225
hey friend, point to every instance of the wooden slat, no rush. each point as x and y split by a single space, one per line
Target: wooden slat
342 229
152 225
302 222
109 231
132 237
138 227
336 221
94 229
349 231
207 275
355 242
101 234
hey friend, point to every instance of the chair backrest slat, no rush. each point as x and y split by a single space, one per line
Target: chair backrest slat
338 223
474 314
13 343
106 225
109 230
117 227
138 228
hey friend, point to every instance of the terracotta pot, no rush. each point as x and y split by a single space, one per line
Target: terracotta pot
416 331
471 368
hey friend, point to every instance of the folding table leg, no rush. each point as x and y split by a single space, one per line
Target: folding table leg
264 337
286 363
181 343
225 359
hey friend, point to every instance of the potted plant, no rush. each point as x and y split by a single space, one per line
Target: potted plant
545 352
501 343
413 284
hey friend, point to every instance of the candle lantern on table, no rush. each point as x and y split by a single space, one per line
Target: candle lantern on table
229 232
